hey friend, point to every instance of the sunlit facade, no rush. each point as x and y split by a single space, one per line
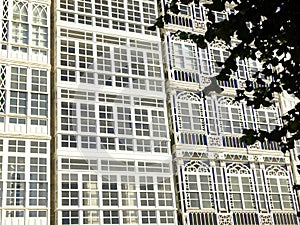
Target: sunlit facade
140 131
220 180
24 112
111 133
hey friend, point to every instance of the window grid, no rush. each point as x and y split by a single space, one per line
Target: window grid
104 79
154 69
230 117
91 217
137 63
128 191
110 195
87 115
218 56
120 60
115 14
204 61
209 108
143 145
118 9
15 175
38 169
102 7
68 116
20 26
184 56
267 119
67 4
124 121
125 144
68 75
39 80
86 58
279 188
111 59
69 190
142 125
161 146
15 193
198 183
90 193
16 168
119 190
39 104
190 115
147 193
165 196
38 194
159 128
130 217
37 214
14 213
166 217
40 36
104 58
16 146
18 78
149 217
242 69
110 217
88 142
107 143
70 217
84 6
67 56
106 119
18 102
69 141
241 190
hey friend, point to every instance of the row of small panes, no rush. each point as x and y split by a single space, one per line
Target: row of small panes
85 163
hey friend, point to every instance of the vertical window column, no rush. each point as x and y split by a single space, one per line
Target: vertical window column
69 190
20 26
240 184
279 188
15 195
110 195
230 116
198 185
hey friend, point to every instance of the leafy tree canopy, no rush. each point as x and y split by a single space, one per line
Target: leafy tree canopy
267 31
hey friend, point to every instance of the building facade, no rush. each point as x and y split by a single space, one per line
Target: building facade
140 130
220 180
111 135
24 112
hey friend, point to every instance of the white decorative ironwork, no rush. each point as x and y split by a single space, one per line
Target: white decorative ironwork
214 140
228 101
238 168
199 25
255 146
205 81
225 219
265 220
196 166
219 44
276 171
188 96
